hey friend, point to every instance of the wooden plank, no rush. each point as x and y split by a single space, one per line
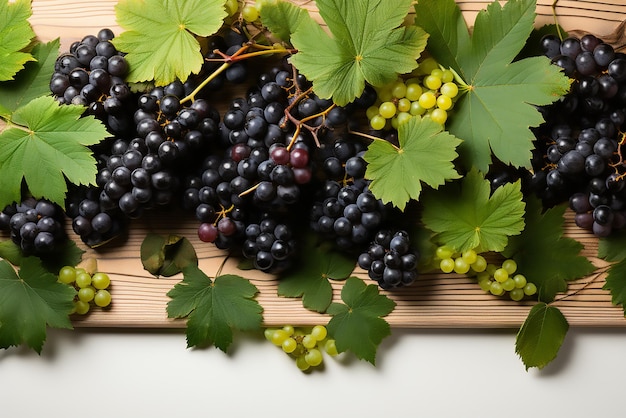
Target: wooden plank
139 300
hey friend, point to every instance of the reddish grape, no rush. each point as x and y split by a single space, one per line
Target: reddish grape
207 232
299 158
280 155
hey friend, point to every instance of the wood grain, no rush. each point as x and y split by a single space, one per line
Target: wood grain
139 300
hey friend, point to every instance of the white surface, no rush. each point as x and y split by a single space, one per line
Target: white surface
426 373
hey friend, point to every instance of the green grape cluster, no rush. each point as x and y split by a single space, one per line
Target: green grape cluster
496 279
428 92
304 344
92 289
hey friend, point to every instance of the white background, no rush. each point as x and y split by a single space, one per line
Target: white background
426 373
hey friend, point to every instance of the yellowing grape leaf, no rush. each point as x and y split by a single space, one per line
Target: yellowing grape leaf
367 42
166 255
31 301
44 144
541 336
465 216
33 81
546 257
425 154
214 308
15 35
160 36
281 17
357 324
498 107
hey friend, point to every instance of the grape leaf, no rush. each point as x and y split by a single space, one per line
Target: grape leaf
613 247
541 335
615 283
214 308
33 81
464 215
44 142
281 18
309 279
499 104
15 35
166 256
31 301
425 155
67 254
159 36
543 254
366 43
357 324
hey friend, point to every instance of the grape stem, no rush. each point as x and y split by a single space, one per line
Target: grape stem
556 19
372 137
599 272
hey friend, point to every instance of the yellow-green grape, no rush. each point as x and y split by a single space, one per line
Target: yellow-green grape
100 280
268 333
500 275
496 289
416 109
509 265
378 122
516 294
398 89
250 13
371 112
319 332
485 283
508 284
469 256
404 105
432 82
444 102
444 252
67 275
83 279
81 307
491 269
520 281
439 115
403 117
289 345
447 76
387 110
427 100
450 90
447 265
427 66
331 347
231 7
278 336
102 298
461 266
480 265
530 289
86 294
289 329
308 341
413 91
313 357
385 94
302 364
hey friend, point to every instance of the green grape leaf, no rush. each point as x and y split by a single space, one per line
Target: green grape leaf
46 143
465 216
543 254
425 154
214 308
613 247
357 324
281 18
31 301
541 335
310 277
499 105
615 283
159 36
15 35
166 256
33 81
367 43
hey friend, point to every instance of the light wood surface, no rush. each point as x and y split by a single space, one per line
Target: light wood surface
139 300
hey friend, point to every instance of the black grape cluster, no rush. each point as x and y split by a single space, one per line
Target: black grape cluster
579 152
390 260
36 226
92 74
267 164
